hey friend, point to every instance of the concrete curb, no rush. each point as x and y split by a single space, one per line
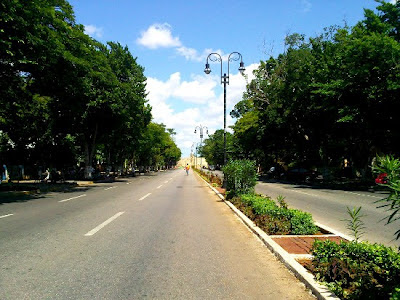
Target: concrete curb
320 291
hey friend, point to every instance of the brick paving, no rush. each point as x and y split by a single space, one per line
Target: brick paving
302 244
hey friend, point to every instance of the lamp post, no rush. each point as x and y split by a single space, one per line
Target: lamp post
191 155
196 153
234 56
201 128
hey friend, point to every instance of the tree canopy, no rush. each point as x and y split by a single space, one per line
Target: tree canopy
329 98
65 97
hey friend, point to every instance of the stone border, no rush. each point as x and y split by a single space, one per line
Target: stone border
320 291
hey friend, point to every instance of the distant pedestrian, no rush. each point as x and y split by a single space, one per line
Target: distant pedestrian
187 169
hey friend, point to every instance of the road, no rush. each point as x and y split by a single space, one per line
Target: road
329 207
150 237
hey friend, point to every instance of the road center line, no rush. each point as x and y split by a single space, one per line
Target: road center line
94 230
109 188
159 186
145 196
363 195
5 216
72 198
166 181
300 192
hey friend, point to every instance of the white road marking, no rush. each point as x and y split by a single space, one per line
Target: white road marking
166 181
94 230
159 186
109 188
363 195
128 183
305 193
5 216
145 196
83 195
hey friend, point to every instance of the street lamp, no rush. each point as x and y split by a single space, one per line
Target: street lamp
201 128
234 56
191 155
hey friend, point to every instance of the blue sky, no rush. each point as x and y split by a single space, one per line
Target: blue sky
171 40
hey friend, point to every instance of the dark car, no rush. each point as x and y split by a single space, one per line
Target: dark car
275 172
301 174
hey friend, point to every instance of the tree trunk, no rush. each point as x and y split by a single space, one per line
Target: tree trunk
90 147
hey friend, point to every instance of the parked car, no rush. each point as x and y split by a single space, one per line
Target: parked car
381 179
301 174
211 167
276 172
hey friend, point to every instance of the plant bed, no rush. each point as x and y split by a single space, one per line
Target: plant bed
306 263
274 219
357 270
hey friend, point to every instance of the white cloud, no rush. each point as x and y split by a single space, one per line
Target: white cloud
93 31
306 4
158 36
203 99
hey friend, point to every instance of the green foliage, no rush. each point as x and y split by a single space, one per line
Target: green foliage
301 222
241 176
357 270
274 219
330 97
391 166
157 147
66 98
355 224
213 147
281 200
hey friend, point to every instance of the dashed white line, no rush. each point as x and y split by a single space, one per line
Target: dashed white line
145 196
363 195
159 186
83 195
300 192
94 230
5 216
166 181
109 188
128 183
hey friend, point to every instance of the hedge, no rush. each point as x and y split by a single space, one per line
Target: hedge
274 219
358 270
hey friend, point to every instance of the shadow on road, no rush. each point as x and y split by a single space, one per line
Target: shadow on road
340 185
23 192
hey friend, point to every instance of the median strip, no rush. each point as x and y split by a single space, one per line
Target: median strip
94 230
145 196
5 216
65 200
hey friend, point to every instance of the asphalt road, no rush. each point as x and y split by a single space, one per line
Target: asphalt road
329 207
150 237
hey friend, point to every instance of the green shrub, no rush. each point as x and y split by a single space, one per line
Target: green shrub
302 222
357 270
240 176
274 219
391 166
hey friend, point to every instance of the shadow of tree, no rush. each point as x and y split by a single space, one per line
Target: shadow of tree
23 192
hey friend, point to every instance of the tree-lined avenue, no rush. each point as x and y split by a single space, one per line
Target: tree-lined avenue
178 241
